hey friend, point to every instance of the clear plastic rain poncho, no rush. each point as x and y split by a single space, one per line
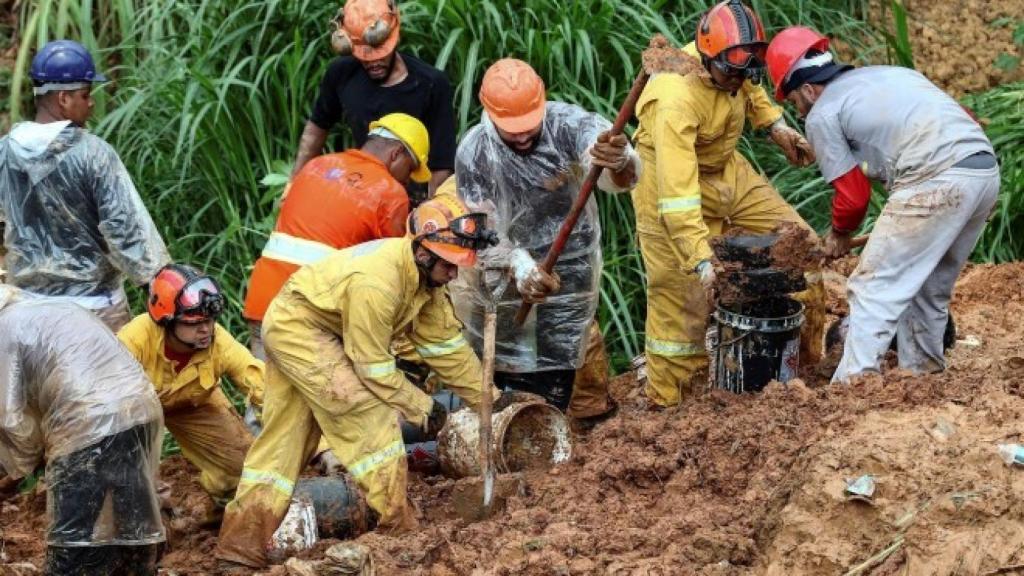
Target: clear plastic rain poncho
75 223
526 198
72 395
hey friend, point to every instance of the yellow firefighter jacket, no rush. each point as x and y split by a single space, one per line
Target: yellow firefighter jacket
371 294
688 129
200 378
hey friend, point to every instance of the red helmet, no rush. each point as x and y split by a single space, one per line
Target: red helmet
731 35
786 49
179 292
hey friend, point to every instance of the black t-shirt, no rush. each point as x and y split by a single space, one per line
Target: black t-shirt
348 93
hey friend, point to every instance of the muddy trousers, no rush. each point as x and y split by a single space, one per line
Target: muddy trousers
214 439
118 468
905 277
312 390
677 309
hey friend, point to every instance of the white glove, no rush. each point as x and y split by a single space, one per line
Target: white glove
707 274
534 284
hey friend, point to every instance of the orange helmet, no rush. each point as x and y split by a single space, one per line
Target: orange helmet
366 29
444 226
731 37
179 292
513 95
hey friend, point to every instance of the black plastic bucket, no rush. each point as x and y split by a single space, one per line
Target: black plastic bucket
341 510
753 343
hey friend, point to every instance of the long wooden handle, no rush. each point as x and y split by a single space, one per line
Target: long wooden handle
485 454
548 264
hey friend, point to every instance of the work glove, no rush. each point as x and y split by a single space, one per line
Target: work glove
534 284
796 148
610 151
435 420
706 273
837 244
510 397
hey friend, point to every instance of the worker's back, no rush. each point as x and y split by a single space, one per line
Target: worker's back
335 201
65 383
75 225
892 122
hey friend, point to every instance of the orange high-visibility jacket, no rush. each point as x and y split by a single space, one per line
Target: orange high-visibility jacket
335 201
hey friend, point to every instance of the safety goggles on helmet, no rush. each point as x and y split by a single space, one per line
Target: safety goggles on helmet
746 60
468 231
200 300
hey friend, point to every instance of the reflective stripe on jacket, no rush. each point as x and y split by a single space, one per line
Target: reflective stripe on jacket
335 201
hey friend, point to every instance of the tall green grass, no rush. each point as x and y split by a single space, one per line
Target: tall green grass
211 95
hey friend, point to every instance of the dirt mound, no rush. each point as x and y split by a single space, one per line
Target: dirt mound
962 45
734 485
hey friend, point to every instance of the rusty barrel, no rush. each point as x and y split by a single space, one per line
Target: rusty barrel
527 436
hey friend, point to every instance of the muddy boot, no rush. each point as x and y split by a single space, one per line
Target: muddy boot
584 425
229 568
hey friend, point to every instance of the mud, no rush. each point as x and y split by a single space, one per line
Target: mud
962 45
662 56
734 485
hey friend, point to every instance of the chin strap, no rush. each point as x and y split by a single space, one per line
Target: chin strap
425 267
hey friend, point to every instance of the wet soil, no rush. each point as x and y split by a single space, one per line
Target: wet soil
662 56
734 485
964 46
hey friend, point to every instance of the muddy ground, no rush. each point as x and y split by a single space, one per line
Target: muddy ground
733 485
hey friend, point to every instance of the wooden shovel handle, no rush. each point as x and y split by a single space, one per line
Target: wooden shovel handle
625 113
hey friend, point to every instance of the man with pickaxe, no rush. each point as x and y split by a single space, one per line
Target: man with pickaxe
523 165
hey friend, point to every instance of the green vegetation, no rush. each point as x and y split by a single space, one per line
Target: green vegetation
211 95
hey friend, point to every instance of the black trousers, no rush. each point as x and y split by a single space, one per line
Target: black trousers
118 467
555 386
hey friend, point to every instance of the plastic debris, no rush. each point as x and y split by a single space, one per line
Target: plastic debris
1012 454
862 488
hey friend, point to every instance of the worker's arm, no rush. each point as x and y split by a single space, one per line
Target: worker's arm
311 145
367 331
850 203
679 199
21 438
439 341
440 123
761 111
243 369
134 244
392 214
595 145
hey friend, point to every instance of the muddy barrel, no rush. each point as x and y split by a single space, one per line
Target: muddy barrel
527 436
756 342
341 510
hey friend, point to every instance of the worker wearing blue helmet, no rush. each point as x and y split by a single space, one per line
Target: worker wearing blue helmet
75 224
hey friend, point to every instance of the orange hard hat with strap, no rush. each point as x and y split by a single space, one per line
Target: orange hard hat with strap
731 37
786 49
179 292
513 95
366 29
446 228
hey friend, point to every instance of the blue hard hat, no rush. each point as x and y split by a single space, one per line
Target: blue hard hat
64 61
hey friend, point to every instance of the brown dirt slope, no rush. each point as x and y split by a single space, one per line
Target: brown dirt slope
739 485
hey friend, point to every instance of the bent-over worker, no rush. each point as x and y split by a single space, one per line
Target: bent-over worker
894 126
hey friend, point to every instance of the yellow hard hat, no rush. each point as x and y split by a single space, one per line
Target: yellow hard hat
413 134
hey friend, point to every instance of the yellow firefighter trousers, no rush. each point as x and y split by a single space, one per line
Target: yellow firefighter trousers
214 439
677 310
312 389
590 387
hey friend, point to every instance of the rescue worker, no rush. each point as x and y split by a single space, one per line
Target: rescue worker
696 185
337 201
371 78
894 126
75 225
185 352
523 165
73 399
330 371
